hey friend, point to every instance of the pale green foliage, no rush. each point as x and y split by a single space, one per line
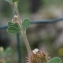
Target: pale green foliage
13 28
55 60
26 23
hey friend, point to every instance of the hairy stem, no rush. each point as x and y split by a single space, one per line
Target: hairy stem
23 33
24 37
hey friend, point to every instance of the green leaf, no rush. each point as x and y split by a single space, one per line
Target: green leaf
26 23
13 29
10 23
55 60
13 24
14 0
8 51
10 1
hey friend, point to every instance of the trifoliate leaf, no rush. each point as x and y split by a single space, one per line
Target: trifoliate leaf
55 60
26 23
